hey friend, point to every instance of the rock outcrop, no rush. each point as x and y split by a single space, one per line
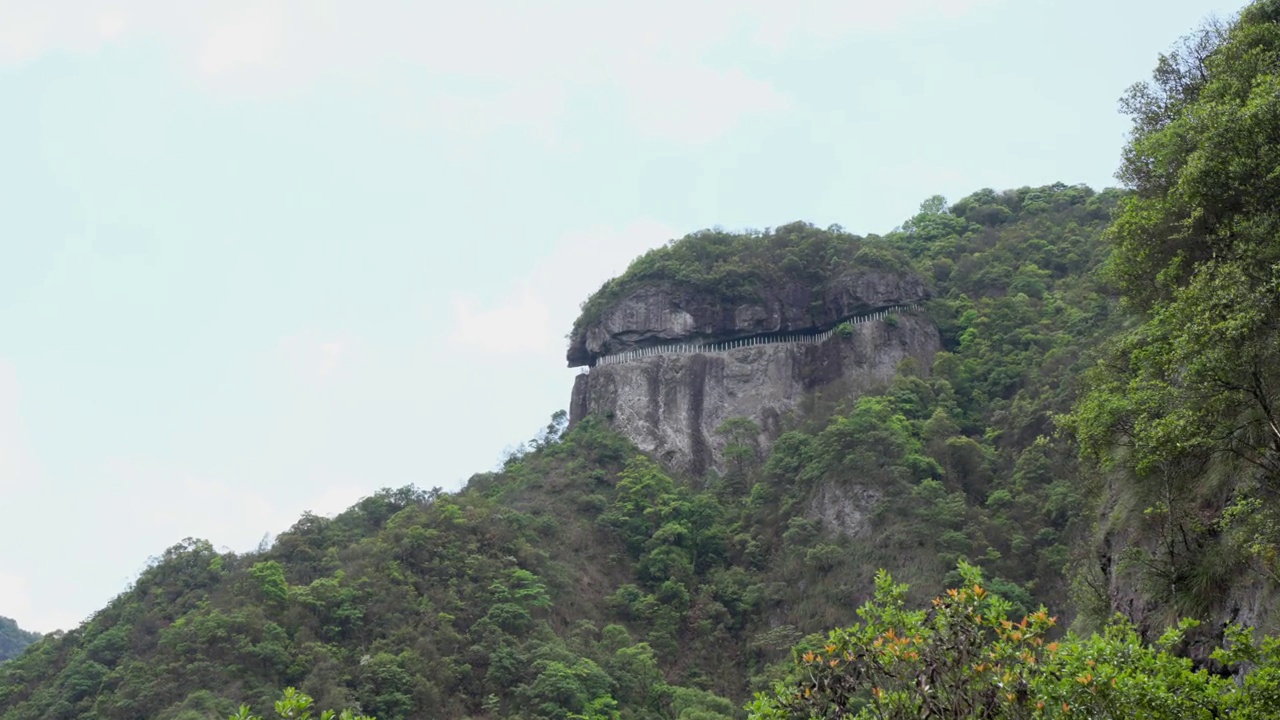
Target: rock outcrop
665 312
671 405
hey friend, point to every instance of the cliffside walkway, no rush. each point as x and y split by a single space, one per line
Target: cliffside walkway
753 341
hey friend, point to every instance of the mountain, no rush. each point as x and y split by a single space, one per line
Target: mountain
684 350
13 639
1049 395
588 572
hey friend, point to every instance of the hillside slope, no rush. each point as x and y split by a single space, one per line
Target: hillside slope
584 576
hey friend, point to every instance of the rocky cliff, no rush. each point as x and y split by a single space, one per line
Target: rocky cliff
665 312
671 405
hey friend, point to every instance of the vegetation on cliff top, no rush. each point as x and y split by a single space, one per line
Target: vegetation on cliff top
735 267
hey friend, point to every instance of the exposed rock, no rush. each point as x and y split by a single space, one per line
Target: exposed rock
844 509
665 312
1122 554
671 405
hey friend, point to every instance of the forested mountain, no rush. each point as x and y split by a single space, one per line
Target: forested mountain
13 639
583 575
1099 434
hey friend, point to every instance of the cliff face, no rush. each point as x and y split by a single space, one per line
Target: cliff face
665 312
671 405
1125 541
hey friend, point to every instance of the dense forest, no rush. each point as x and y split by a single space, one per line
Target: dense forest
13 639
1100 435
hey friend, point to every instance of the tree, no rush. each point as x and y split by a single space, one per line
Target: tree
1196 252
741 449
294 705
13 639
966 658
1192 391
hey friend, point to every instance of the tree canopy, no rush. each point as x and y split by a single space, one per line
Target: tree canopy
739 266
13 639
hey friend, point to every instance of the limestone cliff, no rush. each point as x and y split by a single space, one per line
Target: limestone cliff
665 312
671 404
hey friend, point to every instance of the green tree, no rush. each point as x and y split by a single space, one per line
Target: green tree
1185 405
294 705
965 657
13 639
1196 254
741 449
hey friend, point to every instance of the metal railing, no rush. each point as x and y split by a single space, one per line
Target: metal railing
690 348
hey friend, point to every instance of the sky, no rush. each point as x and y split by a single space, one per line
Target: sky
261 257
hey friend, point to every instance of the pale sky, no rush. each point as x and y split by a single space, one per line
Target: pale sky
259 257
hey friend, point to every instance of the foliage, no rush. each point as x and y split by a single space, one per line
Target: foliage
966 656
1195 252
409 603
736 267
13 639
1183 410
584 580
294 705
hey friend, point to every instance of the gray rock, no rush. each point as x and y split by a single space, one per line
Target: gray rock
660 313
671 405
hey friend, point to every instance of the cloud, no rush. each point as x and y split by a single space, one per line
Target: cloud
519 324
15 596
248 39
696 103
15 599
536 315
333 500
16 603
658 57
316 360
478 38
110 25
172 503
17 464
781 25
